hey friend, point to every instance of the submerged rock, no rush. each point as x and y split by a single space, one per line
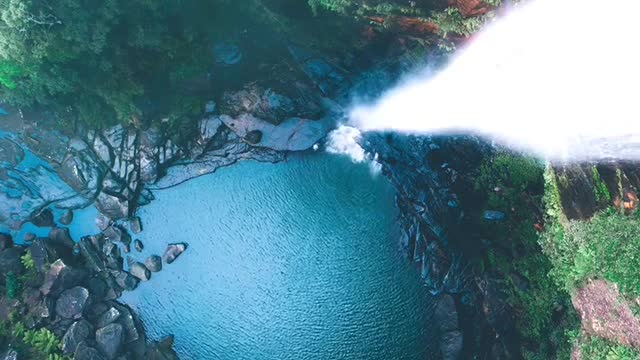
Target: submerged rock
226 53
173 251
153 263
66 218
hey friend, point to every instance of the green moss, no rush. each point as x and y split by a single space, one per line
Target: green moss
451 21
13 285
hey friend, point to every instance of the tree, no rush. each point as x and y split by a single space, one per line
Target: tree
98 59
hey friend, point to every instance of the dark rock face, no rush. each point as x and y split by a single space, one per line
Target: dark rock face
72 302
108 317
153 263
61 237
110 339
173 251
43 218
78 332
61 277
10 260
126 281
6 241
10 152
140 271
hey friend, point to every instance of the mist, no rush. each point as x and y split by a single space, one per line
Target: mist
555 78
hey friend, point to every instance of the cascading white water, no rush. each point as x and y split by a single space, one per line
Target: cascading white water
557 78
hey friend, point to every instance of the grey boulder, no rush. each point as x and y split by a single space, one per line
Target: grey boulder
173 251
78 332
153 263
109 340
72 302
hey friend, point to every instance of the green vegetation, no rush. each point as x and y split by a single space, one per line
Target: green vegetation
31 343
599 349
12 285
99 62
451 21
514 184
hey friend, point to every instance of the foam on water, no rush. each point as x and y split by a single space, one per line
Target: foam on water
557 78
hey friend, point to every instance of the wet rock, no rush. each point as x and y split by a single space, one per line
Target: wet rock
138 245
126 248
493 215
10 153
90 254
61 237
103 222
226 53
129 323
10 260
109 340
61 277
86 352
114 207
117 233
140 271
78 332
66 218
72 302
82 171
43 218
292 134
173 251
253 137
126 281
135 224
153 263
43 253
6 241
108 317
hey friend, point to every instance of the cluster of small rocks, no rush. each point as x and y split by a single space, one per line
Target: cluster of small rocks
76 291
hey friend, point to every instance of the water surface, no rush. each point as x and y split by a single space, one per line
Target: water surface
297 260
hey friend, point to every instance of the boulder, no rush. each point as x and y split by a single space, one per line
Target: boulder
61 277
117 233
61 237
86 352
126 281
97 287
113 206
109 340
173 251
66 218
135 224
128 322
10 260
103 222
43 252
72 302
108 317
6 241
78 332
138 245
90 254
153 263
44 218
140 271
253 137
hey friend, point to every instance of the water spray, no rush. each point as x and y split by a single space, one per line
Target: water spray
559 79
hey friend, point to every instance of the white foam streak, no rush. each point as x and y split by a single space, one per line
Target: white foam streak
558 78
